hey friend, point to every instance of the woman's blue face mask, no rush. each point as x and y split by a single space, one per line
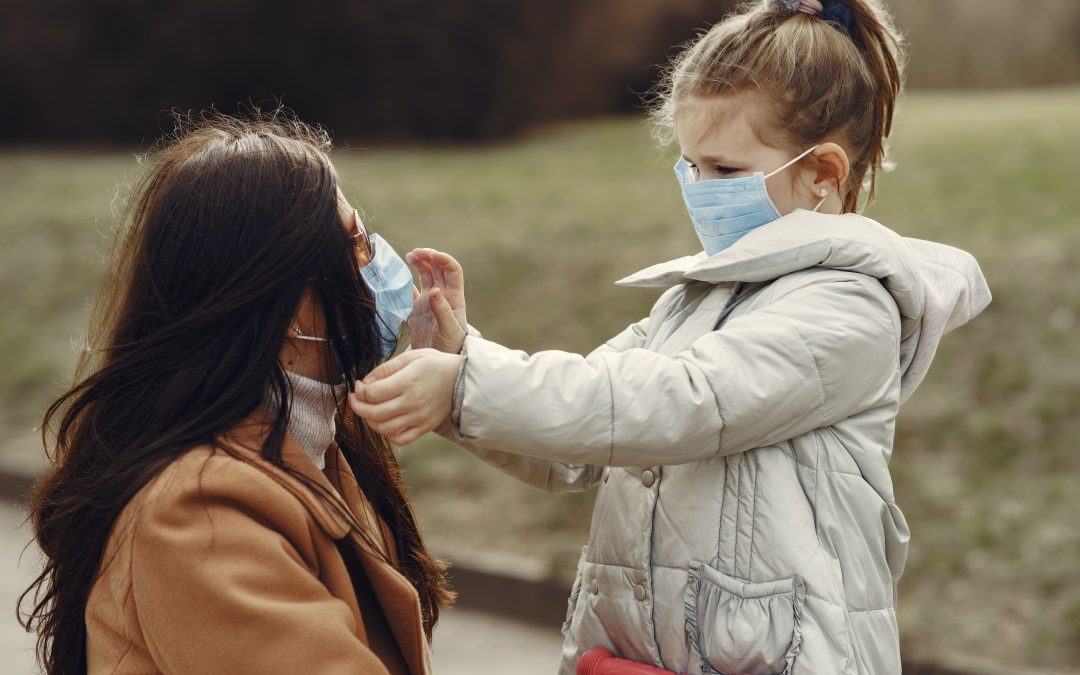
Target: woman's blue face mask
726 209
391 284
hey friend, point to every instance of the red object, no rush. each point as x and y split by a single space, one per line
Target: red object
602 662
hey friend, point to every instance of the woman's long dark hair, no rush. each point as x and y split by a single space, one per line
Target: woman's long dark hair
232 220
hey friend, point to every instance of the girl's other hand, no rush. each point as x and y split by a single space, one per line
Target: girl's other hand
408 396
438 318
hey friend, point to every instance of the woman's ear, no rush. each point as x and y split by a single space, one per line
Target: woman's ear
308 316
305 357
833 168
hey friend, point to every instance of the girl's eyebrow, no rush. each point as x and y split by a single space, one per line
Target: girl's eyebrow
713 159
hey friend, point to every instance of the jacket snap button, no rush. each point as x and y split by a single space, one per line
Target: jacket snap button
639 592
648 478
595 587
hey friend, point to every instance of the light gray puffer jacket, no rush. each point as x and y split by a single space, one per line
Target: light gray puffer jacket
741 434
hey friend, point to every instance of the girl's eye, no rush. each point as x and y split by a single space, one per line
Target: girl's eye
720 170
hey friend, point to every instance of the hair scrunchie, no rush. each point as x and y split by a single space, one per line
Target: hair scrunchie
838 13
835 12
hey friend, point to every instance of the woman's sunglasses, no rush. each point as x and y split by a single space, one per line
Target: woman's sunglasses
361 242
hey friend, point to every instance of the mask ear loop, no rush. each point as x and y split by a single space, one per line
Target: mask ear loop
792 161
824 192
299 335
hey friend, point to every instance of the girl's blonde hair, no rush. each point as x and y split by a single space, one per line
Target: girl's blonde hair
824 79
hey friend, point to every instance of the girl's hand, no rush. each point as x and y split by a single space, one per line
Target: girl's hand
408 396
438 318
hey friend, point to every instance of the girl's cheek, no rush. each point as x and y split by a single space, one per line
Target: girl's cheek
783 196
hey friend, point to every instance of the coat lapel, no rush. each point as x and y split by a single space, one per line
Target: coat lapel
396 595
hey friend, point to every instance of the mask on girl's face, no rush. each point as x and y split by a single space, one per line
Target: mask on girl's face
725 209
391 285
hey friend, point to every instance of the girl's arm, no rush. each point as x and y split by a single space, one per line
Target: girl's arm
438 321
549 475
825 349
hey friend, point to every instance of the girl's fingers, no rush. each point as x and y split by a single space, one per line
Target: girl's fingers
380 412
393 426
390 367
383 391
373 412
362 408
423 268
445 270
407 435
451 268
422 264
383 426
420 255
440 278
444 313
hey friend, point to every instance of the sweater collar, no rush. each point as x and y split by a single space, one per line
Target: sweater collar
313 406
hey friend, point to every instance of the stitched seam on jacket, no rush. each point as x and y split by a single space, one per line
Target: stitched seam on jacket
738 512
848 279
753 527
723 501
611 396
815 468
677 568
817 367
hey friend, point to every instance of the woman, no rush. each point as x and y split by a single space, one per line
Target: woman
213 506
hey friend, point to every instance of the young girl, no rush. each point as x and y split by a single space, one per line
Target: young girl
740 435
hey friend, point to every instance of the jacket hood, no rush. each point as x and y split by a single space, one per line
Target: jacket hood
937 288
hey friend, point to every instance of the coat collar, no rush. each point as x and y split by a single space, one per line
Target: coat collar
392 590
936 287
798 241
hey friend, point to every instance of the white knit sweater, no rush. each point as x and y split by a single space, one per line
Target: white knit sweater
313 405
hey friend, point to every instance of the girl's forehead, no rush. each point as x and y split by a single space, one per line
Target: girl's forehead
721 125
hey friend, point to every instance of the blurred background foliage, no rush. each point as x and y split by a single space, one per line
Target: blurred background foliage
108 70
547 217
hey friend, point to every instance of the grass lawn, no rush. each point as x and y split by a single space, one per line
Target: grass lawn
987 452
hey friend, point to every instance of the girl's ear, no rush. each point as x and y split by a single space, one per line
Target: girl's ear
833 168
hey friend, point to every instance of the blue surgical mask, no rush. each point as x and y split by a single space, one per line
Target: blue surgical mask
725 209
391 284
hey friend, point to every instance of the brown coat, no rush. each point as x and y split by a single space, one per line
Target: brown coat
219 565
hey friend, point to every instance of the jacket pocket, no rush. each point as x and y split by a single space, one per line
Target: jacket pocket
575 591
740 627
